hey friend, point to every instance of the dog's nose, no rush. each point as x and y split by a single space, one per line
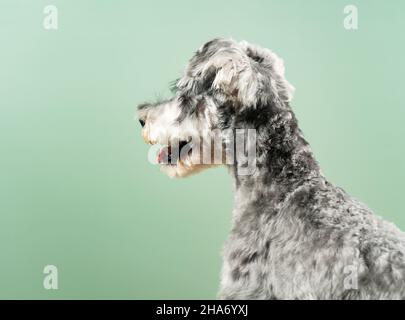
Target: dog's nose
142 122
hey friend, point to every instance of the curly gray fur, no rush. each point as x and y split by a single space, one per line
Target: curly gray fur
294 234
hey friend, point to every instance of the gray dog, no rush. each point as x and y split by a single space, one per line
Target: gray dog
294 234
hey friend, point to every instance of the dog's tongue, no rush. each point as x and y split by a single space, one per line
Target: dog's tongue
163 155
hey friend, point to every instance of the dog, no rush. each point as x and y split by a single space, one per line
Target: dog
294 234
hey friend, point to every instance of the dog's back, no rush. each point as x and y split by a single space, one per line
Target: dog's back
319 244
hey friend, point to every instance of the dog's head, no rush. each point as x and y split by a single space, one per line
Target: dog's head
223 80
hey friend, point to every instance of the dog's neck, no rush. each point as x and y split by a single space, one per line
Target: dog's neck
284 162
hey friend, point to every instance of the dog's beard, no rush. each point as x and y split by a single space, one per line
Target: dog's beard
182 170
181 159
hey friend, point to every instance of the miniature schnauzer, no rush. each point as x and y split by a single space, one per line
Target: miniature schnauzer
294 234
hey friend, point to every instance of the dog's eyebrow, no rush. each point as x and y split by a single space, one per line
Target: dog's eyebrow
157 102
143 105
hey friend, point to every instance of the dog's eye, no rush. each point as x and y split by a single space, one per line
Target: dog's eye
142 123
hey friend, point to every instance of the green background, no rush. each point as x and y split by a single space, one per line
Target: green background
76 189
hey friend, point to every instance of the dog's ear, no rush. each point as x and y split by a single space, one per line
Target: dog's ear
240 71
272 66
230 72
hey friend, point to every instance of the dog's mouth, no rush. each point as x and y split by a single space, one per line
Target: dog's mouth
174 153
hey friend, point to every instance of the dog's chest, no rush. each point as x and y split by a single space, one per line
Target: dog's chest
263 260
